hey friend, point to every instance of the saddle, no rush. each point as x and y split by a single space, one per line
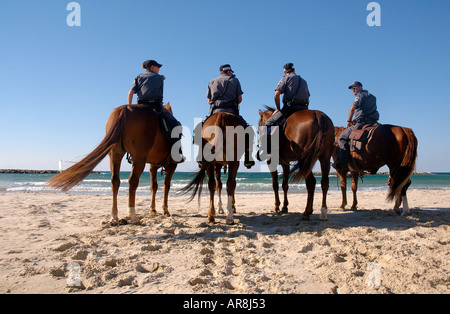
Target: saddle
360 138
282 122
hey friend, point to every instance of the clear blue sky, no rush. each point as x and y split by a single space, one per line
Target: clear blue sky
59 84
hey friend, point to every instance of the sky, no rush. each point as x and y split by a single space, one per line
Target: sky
60 83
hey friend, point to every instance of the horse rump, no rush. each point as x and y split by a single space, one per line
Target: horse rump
401 175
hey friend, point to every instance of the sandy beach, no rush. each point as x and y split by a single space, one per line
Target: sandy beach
63 243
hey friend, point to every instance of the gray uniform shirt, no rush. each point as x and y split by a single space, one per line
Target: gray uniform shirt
289 87
366 107
224 90
148 85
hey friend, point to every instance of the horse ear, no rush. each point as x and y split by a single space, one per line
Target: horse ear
260 112
168 108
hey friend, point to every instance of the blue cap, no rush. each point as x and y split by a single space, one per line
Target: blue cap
147 64
355 84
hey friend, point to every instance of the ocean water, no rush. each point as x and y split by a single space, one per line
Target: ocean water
246 183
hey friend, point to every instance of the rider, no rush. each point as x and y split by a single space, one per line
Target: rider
364 109
224 95
295 98
149 87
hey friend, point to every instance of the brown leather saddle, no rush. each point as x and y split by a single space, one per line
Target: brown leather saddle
360 138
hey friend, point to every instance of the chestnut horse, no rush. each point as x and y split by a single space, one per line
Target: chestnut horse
306 137
214 144
132 129
389 145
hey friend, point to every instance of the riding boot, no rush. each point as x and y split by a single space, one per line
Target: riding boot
248 162
342 160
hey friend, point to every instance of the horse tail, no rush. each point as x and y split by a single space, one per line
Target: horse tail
308 158
69 178
401 176
196 185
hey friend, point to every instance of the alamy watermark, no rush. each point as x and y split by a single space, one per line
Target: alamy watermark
74 17
225 144
74 278
374 278
374 17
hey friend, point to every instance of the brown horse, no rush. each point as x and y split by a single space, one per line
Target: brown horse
217 152
132 129
306 137
389 145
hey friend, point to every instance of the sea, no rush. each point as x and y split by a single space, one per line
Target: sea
250 183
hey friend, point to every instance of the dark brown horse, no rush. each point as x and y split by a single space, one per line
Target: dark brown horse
217 132
132 129
389 145
306 137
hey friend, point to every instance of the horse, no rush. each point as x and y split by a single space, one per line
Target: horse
306 136
132 129
390 145
215 141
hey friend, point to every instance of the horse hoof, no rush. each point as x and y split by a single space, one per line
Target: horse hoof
134 221
230 222
406 213
284 210
211 220
324 214
396 211
167 214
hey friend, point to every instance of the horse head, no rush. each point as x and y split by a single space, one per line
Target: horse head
265 115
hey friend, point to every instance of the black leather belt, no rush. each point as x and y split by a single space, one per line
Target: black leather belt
150 101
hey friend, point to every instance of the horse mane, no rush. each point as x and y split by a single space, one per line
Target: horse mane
268 108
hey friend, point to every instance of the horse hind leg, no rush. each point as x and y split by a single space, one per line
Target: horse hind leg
275 187
219 186
285 186
231 187
153 188
136 171
342 174
403 198
170 170
115 162
212 189
325 185
310 186
355 177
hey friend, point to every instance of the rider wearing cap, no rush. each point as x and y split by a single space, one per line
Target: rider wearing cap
295 98
364 110
149 87
224 92
224 95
